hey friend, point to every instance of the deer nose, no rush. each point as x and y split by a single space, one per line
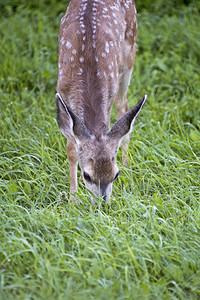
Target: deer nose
104 192
104 198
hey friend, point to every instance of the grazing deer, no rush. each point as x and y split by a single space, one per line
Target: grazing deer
97 42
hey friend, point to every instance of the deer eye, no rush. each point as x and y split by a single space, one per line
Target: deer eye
116 176
87 177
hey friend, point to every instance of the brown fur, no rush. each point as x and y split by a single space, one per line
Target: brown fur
96 57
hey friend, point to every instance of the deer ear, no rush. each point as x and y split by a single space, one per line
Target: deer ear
124 124
69 123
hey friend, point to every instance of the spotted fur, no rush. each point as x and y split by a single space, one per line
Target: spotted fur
96 55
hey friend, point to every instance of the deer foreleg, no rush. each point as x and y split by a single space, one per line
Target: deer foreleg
73 165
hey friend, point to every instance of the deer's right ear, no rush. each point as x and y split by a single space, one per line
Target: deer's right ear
124 125
69 123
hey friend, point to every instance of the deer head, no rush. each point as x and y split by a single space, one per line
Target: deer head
96 154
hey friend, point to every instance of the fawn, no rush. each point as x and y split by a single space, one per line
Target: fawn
97 42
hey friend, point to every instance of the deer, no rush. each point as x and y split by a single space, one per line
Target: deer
97 45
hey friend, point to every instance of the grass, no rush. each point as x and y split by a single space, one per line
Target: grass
146 245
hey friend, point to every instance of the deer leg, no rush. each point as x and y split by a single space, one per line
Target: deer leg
122 107
73 165
122 104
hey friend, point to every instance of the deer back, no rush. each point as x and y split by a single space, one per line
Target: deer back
95 42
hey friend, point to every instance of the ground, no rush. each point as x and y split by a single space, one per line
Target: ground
146 244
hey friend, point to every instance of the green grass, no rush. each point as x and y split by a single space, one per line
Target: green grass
147 244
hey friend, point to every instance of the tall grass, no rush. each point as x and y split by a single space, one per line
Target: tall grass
146 244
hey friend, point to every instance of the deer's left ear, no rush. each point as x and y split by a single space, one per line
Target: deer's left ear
69 123
124 125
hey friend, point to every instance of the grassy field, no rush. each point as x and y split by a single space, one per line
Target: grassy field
147 244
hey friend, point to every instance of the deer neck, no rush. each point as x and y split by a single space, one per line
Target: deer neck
94 104
91 104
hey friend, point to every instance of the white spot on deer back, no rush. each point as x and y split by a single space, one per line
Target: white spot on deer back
80 71
81 59
68 45
129 33
62 41
114 14
115 6
107 47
